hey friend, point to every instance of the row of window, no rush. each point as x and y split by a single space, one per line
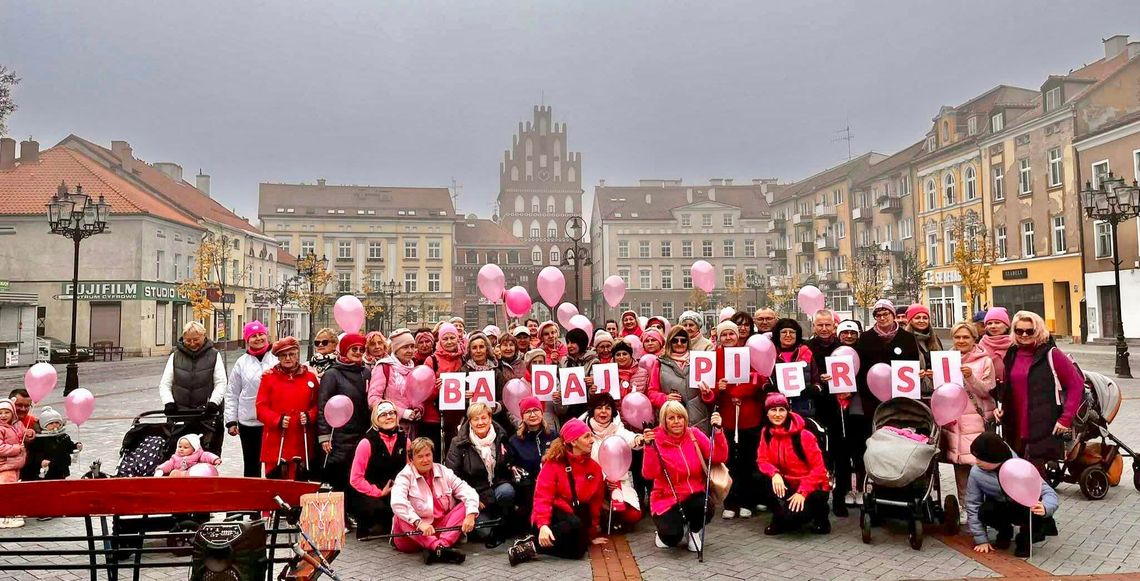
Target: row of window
950 194
645 277
376 280
726 220
375 249
665 249
536 207
1026 229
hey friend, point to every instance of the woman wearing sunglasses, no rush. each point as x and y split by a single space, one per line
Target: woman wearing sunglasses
325 355
669 379
1043 390
348 377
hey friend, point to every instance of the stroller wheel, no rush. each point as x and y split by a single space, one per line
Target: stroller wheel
915 537
865 526
1136 477
1055 473
1094 482
950 515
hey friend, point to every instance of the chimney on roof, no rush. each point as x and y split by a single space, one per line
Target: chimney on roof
712 194
122 151
716 182
29 151
202 182
601 183
321 182
171 169
7 153
1114 45
728 181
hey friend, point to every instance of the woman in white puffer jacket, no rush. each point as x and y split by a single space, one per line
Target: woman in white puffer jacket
241 394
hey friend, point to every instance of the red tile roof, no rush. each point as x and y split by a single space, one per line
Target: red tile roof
285 258
29 186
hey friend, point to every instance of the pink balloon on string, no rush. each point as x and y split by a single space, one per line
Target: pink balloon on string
518 300
551 285
1020 481
613 289
492 282
647 361
202 470
79 405
513 393
420 384
879 380
704 277
850 352
761 354
566 311
582 322
948 403
635 344
615 457
636 411
349 313
726 313
338 410
40 379
810 300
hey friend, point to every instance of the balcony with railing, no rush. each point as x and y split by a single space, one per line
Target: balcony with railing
826 212
890 204
861 214
778 253
828 243
804 248
894 246
802 218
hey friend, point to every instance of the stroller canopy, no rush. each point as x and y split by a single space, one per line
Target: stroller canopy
903 412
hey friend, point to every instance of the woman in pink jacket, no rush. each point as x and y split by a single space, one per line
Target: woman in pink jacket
390 382
677 469
978 372
427 496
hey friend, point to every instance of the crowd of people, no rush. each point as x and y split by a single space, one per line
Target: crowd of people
493 474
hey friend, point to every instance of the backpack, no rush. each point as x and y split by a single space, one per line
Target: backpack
144 458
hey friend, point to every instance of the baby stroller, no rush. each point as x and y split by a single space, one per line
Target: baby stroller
150 441
902 472
1094 465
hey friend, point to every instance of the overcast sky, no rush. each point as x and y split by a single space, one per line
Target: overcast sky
421 92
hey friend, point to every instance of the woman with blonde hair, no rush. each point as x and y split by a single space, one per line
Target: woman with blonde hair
979 380
1043 389
478 455
324 356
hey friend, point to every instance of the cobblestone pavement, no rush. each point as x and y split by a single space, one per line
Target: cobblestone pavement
1095 537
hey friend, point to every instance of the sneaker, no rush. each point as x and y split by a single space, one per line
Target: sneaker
728 514
522 551
1050 528
451 555
858 499
745 513
17 523
695 543
761 508
849 500
657 541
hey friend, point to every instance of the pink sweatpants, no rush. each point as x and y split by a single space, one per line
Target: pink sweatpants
9 476
416 543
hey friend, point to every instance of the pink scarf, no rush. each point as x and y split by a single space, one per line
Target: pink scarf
888 335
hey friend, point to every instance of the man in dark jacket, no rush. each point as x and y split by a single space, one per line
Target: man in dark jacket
823 342
882 343
194 382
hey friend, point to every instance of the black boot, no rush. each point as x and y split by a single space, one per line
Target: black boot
1050 528
1003 538
522 551
451 555
1021 545
839 505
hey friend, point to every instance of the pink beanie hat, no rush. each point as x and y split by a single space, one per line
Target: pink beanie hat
775 399
253 328
655 332
997 314
573 429
915 309
448 329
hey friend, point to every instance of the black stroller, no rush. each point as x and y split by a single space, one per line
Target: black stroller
902 472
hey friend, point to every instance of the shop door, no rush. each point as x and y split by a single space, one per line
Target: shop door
106 323
1061 306
176 324
1108 310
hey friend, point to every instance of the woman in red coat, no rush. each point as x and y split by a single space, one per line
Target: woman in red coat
287 406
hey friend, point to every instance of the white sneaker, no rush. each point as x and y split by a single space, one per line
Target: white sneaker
745 513
657 541
17 523
727 514
694 543
5 523
849 500
761 508
858 499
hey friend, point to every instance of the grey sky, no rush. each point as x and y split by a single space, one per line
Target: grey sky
418 92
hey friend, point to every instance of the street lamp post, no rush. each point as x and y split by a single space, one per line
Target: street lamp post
75 216
309 267
578 255
389 290
1114 201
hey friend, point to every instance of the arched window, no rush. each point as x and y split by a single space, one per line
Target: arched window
931 195
520 203
514 172
550 204
536 255
551 229
472 257
571 175
569 204
529 148
555 256
971 183
534 207
535 229
948 186
945 131
517 229
492 257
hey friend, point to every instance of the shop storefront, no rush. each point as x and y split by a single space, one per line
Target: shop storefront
145 318
1050 287
945 298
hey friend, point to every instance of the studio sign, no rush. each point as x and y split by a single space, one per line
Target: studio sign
123 291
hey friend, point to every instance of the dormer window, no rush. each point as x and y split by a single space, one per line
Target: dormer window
945 131
930 143
1052 99
997 122
972 125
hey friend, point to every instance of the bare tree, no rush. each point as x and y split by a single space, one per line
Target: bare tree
780 295
8 79
734 292
698 300
910 278
866 274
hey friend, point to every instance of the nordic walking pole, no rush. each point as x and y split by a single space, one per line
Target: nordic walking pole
326 462
672 489
305 434
708 485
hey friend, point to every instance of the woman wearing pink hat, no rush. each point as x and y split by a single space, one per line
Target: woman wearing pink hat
997 340
918 323
348 377
241 395
567 499
448 358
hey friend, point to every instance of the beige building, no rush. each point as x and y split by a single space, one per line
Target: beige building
371 235
650 235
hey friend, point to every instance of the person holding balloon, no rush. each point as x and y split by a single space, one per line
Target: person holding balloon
694 324
349 378
669 379
884 341
188 453
744 410
960 433
325 357
286 406
631 375
1004 491
604 422
391 381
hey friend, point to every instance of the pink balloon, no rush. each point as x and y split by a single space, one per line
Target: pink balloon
704 277
636 411
948 403
615 457
647 361
613 289
1020 481
762 354
349 314
40 380
421 384
202 470
565 312
879 380
726 313
850 352
513 393
582 322
518 300
551 285
79 404
338 410
635 343
492 282
810 300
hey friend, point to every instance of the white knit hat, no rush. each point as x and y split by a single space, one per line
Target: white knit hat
195 440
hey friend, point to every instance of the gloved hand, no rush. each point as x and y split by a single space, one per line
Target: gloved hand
212 409
170 409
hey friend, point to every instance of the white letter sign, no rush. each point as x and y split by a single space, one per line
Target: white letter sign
947 368
904 379
737 364
544 379
790 378
452 391
573 381
606 379
841 370
702 369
